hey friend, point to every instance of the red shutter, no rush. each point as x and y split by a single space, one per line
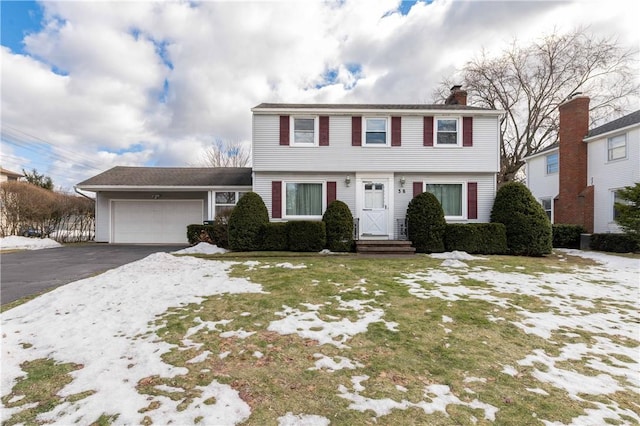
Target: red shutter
324 131
417 188
472 200
284 130
276 199
331 192
467 131
396 131
427 137
356 131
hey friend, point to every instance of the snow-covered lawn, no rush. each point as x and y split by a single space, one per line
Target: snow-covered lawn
15 242
175 339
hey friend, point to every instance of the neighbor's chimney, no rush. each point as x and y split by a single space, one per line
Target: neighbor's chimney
572 204
457 96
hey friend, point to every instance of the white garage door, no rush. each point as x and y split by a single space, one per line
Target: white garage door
154 221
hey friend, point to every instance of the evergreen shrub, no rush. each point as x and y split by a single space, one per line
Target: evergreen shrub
567 236
274 236
246 221
615 243
476 238
528 227
426 224
338 222
306 235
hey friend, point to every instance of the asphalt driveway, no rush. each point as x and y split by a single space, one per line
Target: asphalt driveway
28 272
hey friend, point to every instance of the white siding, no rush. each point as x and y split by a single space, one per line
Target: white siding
607 176
402 195
340 156
541 184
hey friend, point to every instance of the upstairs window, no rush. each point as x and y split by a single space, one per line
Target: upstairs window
447 132
617 147
552 163
376 132
304 131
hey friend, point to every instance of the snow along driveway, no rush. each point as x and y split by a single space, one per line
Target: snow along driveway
103 324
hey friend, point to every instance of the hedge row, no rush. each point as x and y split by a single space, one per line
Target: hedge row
615 243
567 236
476 238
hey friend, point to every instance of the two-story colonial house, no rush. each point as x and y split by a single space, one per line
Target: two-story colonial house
577 180
373 157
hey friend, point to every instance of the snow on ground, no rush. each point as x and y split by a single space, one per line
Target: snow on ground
102 323
15 242
201 248
602 300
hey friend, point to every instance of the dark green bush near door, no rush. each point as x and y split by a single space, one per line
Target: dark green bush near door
245 223
528 227
338 221
273 237
476 238
426 224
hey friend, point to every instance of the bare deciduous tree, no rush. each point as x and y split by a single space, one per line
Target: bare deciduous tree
227 154
529 83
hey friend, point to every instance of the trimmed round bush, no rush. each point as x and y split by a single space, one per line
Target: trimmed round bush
245 223
528 227
338 222
426 224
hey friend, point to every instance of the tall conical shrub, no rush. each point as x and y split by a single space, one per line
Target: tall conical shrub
246 219
528 227
426 223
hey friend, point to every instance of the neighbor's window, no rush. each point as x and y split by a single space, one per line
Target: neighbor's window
304 131
616 199
450 197
547 205
226 201
375 131
552 163
447 132
303 199
617 147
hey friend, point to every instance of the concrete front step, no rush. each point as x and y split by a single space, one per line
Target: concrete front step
391 247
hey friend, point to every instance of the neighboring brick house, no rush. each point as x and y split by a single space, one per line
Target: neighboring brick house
375 158
583 172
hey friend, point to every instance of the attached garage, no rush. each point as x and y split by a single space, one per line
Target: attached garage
154 205
154 221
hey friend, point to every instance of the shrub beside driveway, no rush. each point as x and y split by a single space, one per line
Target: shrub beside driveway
346 340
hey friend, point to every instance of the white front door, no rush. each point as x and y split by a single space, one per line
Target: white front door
374 216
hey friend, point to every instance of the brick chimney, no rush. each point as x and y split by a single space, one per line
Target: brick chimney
457 96
574 203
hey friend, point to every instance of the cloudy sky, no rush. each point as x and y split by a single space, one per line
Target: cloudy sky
90 85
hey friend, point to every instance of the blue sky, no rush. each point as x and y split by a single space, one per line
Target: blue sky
90 85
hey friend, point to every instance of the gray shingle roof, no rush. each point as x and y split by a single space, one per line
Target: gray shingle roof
371 106
171 176
627 120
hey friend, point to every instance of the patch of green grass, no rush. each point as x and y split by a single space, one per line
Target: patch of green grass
38 390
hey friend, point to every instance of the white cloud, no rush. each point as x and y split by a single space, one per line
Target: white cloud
152 83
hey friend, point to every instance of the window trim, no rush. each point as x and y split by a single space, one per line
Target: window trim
546 163
463 200
387 131
458 143
292 130
609 149
303 217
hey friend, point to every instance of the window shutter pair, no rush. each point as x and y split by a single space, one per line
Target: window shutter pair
323 135
467 131
356 131
472 197
276 197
